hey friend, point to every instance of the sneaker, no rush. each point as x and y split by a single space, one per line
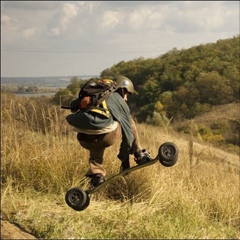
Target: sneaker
97 179
124 165
142 157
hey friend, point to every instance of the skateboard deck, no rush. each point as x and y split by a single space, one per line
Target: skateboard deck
122 174
78 199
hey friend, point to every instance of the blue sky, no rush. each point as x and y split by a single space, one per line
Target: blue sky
73 38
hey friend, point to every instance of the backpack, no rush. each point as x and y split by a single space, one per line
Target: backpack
92 95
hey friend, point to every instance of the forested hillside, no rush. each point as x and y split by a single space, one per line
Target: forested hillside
183 83
179 85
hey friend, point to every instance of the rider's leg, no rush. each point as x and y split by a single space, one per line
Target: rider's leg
96 145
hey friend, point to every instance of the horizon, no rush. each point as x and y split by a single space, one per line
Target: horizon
53 76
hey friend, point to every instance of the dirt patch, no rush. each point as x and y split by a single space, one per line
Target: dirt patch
12 231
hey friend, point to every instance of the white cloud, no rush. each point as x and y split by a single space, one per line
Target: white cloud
29 32
111 19
138 18
156 19
55 31
68 13
5 19
191 16
10 28
9 23
91 6
70 10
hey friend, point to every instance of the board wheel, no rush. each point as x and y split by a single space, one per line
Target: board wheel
77 199
168 154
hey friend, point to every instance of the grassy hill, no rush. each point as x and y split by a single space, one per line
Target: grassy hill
41 160
219 127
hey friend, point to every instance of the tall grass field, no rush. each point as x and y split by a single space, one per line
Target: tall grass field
198 198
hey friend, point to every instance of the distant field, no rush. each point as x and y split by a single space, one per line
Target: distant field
36 94
41 80
48 86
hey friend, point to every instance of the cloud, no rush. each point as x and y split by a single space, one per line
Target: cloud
191 16
5 19
25 20
111 19
29 32
88 6
68 12
73 18
9 23
146 18
9 27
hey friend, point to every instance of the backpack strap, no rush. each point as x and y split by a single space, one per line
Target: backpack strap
103 111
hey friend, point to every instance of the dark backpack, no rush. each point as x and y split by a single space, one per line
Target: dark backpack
92 95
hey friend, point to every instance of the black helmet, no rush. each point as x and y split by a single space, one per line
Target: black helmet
124 82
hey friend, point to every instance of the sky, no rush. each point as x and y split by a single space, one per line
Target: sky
75 38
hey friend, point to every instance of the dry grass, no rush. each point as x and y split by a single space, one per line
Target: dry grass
220 127
198 198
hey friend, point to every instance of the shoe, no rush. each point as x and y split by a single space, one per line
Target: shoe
97 179
142 157
125 165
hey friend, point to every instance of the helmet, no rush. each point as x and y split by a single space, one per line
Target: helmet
124 82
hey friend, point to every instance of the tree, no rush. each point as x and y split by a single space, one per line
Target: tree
21 89
214 89
65 96
75 86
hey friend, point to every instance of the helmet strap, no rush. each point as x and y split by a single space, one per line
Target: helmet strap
121 92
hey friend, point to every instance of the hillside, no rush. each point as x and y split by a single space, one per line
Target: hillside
220 126
229 111
230 161
186 82
49 205
41 160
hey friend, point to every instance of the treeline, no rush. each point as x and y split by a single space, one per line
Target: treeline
31 89
183 83
179 84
